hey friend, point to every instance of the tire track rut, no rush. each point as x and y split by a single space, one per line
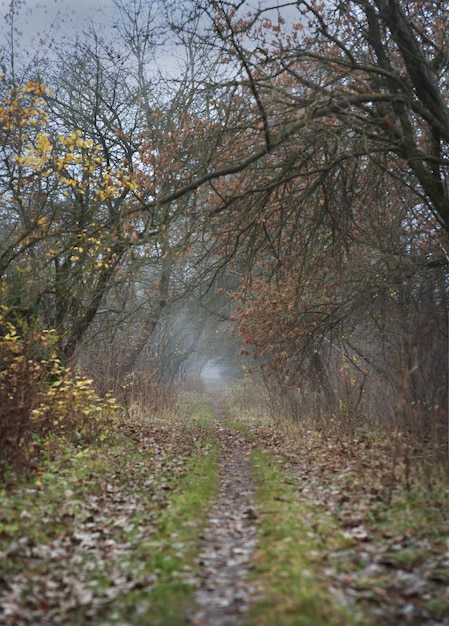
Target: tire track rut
230 538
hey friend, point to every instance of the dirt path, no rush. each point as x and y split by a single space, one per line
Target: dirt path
229 539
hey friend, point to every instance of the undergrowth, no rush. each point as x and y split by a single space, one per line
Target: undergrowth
115 527
41 400
353 520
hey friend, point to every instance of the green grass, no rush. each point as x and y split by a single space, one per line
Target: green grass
419 511
241 428
170 553
288 559
160 495
195 407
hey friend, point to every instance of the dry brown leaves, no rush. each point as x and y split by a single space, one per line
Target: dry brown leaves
395 568
69 547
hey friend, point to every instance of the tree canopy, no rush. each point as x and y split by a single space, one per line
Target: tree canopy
291 158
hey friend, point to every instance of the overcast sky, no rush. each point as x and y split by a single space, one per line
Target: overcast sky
58 18
45 21
70 14
45 25
67 17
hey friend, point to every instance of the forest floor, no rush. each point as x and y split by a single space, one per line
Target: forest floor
221 517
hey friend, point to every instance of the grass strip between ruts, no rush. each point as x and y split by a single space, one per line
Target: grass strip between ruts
287 565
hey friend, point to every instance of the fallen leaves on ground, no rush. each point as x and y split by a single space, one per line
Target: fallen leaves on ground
88 532
395 566
82 534
229 539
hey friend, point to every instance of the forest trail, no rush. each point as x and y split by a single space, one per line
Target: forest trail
229 538
215 517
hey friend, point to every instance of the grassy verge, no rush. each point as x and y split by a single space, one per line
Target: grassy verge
108 534
288 562
168 556
350 525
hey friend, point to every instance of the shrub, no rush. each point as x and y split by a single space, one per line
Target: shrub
41 399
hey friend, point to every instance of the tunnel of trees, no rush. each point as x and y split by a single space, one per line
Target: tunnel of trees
256 187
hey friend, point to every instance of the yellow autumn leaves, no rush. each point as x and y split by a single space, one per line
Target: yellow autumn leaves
38 392
72 160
